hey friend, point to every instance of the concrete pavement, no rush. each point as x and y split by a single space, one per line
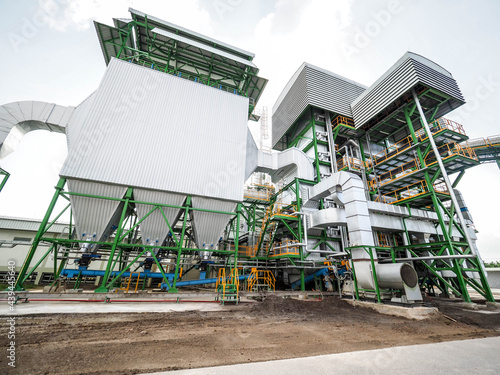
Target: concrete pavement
479 356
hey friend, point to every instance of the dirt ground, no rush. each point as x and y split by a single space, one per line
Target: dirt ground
277 328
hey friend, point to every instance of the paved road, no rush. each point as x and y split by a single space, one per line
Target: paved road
479 356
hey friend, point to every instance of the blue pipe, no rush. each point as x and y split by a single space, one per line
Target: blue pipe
321 272
199 282
74 273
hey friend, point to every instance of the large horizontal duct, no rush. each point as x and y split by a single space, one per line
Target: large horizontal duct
285 164
19 118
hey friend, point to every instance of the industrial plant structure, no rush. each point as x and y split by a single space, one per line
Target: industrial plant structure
360 194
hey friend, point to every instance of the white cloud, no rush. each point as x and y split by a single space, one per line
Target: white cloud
299 31
65 15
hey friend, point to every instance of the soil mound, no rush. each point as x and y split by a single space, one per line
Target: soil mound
276 305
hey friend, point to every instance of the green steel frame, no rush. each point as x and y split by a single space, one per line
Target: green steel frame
123 242
462 261
4 175
137 43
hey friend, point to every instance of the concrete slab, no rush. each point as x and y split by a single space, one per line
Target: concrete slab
101 307
417 313
479 356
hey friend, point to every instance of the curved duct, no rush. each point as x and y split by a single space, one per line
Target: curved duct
348 190
285 164
19 118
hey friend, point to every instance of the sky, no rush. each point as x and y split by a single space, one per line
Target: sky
51 53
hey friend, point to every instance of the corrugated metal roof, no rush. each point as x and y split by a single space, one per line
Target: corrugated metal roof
32 225
315 86
190 34
105 33
409 70
156 131
204 47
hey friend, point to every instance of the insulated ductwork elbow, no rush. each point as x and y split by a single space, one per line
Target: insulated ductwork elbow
289 163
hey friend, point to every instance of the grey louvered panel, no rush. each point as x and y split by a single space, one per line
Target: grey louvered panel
314 86
292 101
438 80
409 71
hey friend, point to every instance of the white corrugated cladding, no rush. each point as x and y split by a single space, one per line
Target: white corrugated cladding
156 131
75 123
208 226
95 216
410 70
154 227
315 86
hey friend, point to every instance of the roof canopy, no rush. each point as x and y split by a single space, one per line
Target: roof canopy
161 45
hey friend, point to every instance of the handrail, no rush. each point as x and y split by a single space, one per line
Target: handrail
477 143
266 276
436 127
190 77
263 195
352 163
410 191
446 151
342 120
285 247
383 239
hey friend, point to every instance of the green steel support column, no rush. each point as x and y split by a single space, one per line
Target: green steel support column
37 264
4 179
103 288
254 217
447 238
22 273
55 259
315 141
414 138
482 272
301 239
64 260
459 177
498 163
375 279
442 224
160 267
179 250
112 282
237 239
